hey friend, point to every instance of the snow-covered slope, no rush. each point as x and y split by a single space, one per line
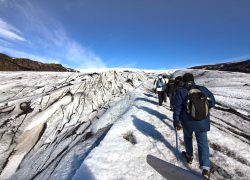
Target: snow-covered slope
151 125
47 117
75 125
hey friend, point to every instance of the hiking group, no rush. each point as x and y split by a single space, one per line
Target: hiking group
190 104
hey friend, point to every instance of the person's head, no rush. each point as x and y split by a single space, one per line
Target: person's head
160 76
178 78
171 80
178 81
188 77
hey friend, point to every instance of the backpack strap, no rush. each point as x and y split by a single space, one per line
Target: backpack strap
194 90
188 87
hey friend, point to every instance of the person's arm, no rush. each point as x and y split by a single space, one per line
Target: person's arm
177 110
177 105
211 99
154 89
165 85
167 89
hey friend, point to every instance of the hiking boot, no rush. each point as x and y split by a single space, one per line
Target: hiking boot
186 157
206 173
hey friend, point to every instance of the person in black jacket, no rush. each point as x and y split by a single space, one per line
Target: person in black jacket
170 89
178 83
190 125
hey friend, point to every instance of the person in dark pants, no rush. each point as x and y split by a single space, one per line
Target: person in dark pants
170 89
160 88
166 90
190 125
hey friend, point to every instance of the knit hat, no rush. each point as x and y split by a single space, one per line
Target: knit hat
178 78
187 77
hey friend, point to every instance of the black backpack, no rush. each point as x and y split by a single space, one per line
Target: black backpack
159 83
197 105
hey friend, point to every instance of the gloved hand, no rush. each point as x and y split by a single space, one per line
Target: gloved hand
177 125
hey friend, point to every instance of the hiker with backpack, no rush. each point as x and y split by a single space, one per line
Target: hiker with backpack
191 113
160 89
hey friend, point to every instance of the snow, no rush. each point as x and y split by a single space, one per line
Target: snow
86 117
116 158
43 116
9 170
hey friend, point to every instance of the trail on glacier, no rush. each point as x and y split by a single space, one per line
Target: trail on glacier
151 125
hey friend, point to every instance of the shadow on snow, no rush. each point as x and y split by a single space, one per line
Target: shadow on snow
149 130
149 95
158 115
146 100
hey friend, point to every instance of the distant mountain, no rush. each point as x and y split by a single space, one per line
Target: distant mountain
241 66
8 63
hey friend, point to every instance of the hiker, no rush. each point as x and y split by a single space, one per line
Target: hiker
170 89
191 113
160 88
178 83
166 89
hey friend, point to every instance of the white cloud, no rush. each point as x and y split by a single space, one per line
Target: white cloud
74 51
8 32
47 35
84 57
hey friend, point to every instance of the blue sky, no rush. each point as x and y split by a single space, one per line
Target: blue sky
148 34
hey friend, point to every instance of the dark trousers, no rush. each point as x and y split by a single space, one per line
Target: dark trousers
202 143
170 100
162 97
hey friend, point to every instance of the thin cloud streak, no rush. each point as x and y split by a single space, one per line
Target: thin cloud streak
8 32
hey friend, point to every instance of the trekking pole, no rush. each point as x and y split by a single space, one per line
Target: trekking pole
177 146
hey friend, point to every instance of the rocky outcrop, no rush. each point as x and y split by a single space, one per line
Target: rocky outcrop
23 64
242 66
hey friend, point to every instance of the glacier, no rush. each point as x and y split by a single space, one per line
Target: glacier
71 125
